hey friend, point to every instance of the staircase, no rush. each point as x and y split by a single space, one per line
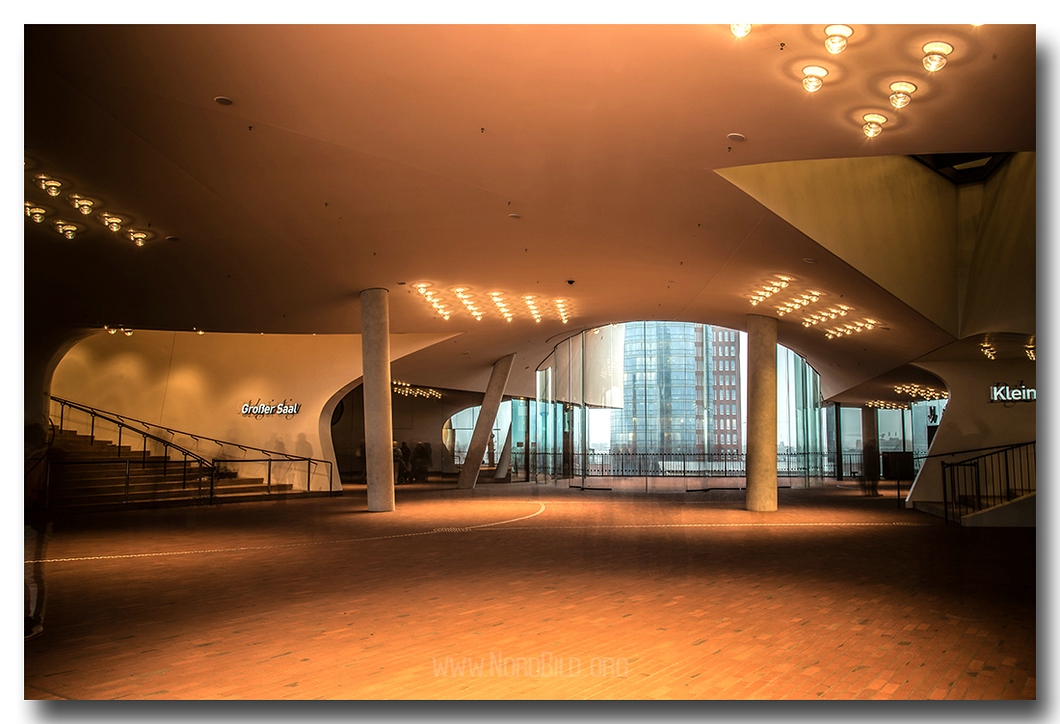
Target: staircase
87 474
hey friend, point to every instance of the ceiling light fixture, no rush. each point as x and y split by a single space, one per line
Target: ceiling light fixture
137 237
36 213
873 124
50 185
82 204
112 222
901 93
740 30
66 229
813 78
836 40
935 54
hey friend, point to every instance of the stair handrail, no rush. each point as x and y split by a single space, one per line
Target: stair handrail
948 481
174 431
120 422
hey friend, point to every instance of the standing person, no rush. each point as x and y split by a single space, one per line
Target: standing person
37 529
406 462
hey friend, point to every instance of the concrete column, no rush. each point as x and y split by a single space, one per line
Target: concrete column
870 449
491 402
761 413
378 414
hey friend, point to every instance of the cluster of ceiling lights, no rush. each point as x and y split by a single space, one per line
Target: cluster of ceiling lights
1029 348
850 328
923 392
406 390
815 318
500 301
988 350
887 405
901 91
799 301
804 299
769 287
83 205
115 330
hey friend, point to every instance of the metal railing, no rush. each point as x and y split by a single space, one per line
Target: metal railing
214 459
986 480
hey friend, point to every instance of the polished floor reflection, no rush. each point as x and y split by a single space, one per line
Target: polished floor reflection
520 591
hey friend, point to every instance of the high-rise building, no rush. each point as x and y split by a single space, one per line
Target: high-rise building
724 360
681 390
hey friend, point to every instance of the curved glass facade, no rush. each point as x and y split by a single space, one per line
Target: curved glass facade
664 399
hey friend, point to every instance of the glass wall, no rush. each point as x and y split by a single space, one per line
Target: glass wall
664 398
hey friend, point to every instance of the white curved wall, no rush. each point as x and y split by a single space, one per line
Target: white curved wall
198 384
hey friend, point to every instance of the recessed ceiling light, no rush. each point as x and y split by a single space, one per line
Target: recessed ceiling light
809 260
736 137
223 100
514 216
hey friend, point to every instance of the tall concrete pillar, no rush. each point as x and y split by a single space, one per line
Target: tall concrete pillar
491 402
761 413
870 449
378 419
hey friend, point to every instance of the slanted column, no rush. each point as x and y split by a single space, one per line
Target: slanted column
378 419
505 460
491 402
761 413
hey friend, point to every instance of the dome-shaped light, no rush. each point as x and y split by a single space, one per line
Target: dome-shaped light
137 237
740 31
935 54
127 332
836 40
82 204
813 78
873 124
50 185
36 213
112 222
901 93
66 229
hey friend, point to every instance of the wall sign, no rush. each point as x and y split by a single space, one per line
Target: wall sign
1008 393
258 410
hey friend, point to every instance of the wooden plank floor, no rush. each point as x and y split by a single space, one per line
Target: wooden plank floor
529 592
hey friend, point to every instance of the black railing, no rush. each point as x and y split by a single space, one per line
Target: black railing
211 464
986 480
687 465
202 469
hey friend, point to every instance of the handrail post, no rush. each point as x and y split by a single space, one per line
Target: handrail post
1008 480
268 480
165 459
213 477
184 476
945 498
119 440
92 430
144 463
127 473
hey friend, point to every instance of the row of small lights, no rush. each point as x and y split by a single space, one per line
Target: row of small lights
804 299
886 405
923 392
935 54
988 350
406 390
84 205
468 300
128 332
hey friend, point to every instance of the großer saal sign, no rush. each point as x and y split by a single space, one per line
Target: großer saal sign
259 409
